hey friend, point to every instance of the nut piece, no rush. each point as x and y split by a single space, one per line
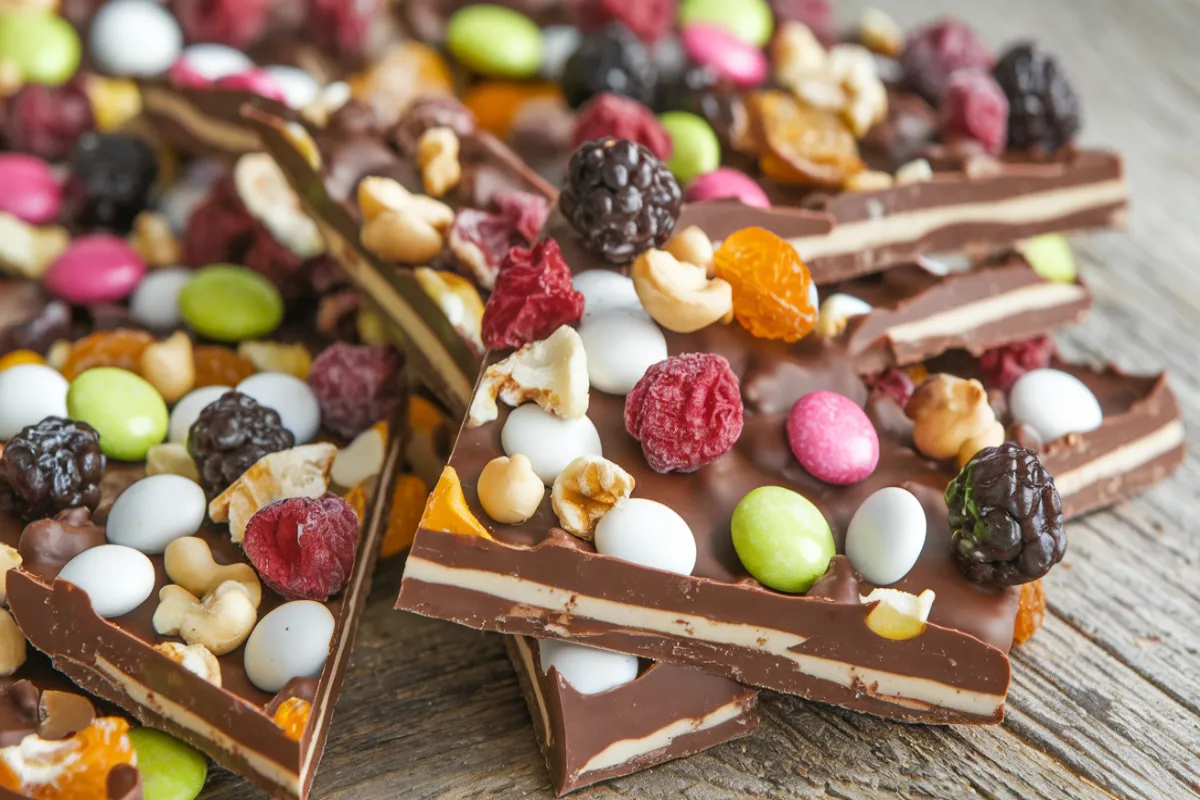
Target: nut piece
437 155
552 373
992 436
58 354
63 714
188 562
170 458
835 314
299 472
509 490
898 614
221 622
10 558
915 171
948 412
446 509
26 251
269 198
678 295
796 55
880 33
154 240
11 79
293 359
195 658
585 491
692 245
169 366
401 226
459 300
12 645
869 180
327 101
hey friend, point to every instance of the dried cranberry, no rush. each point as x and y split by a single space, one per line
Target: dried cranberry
532 298
893 382
342 25
48 120
609 114
356 386
237 23
686 411
527 212
973 106
481 239
303 547
932 53
1001 366
649 19
816 14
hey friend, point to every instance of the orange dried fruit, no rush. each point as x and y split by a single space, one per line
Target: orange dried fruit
220 366
75 768
408 504
1030 613
447 508
406 72
356 498
772 295
917 373
495 103
292 716
121 348
804 145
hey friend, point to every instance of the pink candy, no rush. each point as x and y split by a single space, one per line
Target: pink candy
733 59
97 268
257 81
28 189
726 183
832 438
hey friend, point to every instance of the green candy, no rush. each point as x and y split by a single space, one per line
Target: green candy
782 539
695 147
1051 257
170 769
230 304
495 41
749 20
127 412
44 46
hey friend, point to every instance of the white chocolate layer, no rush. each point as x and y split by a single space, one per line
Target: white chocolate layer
971 316
1125 458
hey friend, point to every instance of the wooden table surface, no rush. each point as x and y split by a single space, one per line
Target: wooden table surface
1106 697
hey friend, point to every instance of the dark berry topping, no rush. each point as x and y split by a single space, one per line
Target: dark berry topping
112 176
54 465
1043 112
611 60
47 120
230 434
933 52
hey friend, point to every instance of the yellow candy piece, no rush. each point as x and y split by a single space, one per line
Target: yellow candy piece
115 101
447 509
18 357
408 503
292 716
898 615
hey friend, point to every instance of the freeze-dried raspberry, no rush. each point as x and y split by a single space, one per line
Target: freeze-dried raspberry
526 210
933 52
609 114
816 14
1002 365
481 239
532 298
649 19
893 382
973 106
356 386
303 547
48 120
342 25
686 411
237 23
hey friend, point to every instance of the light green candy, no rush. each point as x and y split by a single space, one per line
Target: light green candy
230 304
695 147
749 20
782 539
170 769
1051 257
495 41
127 412
44 46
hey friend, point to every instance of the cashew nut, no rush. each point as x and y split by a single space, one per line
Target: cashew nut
585 491
879 32
509 490
221 622
437 155
293 359
399 237
154 240
195 658
169 366
678 295
947 412
992 436
693 246
10 558
377 195
171 458
12 645
27 251
189 563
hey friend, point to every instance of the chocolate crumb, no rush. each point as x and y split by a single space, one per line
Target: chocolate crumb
63 714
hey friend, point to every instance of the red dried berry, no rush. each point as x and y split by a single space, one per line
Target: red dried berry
1001 366
342 25
532 298
303 547
526 210
609 114
47 120
356 386
933 52
237 23
686 411
816 14
893 382
481 239
649 19
973 106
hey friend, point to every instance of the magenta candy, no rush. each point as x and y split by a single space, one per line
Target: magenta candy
729 56
832 438
28 189
182 75
258 81
97 268
726 183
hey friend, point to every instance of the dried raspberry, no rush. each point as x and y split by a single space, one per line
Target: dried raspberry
342 25
526 210
237 23
893 382
973 106
481 239
609 114
303 547
649 19
933 52
816 14
532 298
48 120
356 386
1002 365
686 411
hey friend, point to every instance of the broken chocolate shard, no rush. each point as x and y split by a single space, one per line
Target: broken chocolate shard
205 120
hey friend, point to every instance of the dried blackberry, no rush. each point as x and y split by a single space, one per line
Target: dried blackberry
230 434
1043 111
611 60
1006 519
54 465
112 176
619 198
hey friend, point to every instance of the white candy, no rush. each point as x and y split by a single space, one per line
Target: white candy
215 61
155 301
620 348
188 409
589 670
604 290
188 191
290 642
291 397
298 87
813 297
558 43
28 394
845 306
649 533
549 442
135 38
156 511
886 535
1054 403
117 579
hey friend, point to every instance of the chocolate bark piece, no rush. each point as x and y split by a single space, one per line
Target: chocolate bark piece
204 121
665 713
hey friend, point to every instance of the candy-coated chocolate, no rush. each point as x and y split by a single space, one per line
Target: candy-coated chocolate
495 41
156 511
885 535
155 301
256 81
750 21
230 304
127 412
135 38
28 394
170 769
96 268
548 441
781 538
604 290
649 533
188 409
117 579
832 438
620 348
292 641
42 44
726 183
731 58
291 397
28 189
209 62
695 147
1054 403
589 670
297 86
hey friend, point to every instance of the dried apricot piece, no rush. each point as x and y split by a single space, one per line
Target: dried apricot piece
121 348
292 716
356 498
408 503
495 103
1030 613
408 71
805 145
772 288
75 768
447 508
220 366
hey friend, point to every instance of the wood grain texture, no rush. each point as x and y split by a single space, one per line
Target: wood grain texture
1105 699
